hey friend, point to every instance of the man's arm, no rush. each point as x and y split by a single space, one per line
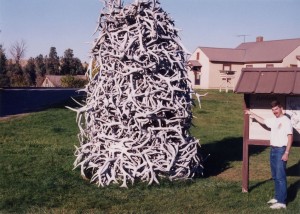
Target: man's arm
256 117
285 156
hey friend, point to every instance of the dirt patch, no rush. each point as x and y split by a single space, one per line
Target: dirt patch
11 117
231 174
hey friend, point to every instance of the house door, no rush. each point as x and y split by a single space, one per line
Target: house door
197 78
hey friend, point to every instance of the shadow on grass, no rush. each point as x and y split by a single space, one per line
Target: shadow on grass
293 191
293 188
258 184
294 170
218 155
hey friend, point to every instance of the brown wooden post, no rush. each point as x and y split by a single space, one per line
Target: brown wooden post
245 167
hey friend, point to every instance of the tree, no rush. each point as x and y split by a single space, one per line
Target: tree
3 60
40 69
15 74
4 80
70 65
52 62
40 65
68 54
17 50
77 67
30 72
66 62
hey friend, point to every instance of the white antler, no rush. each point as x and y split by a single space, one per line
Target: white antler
135 121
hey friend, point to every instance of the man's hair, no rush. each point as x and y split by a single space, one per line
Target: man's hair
275 103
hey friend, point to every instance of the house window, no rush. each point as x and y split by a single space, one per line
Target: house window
226 67
293 65
269 66
196 68
198 56
249 66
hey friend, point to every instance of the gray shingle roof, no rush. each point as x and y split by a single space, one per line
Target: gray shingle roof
254 52
224 54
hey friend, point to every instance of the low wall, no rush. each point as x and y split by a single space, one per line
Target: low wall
24 100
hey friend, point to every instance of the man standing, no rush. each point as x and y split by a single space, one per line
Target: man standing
281 142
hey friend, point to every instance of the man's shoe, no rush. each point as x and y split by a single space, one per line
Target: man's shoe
278 206
272 201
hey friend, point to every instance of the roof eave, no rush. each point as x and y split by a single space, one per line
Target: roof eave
226 61
245 62
264 61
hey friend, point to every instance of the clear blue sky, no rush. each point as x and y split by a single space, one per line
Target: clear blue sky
211 23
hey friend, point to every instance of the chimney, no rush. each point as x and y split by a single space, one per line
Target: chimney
259 39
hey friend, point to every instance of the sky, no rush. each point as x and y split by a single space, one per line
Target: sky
64 24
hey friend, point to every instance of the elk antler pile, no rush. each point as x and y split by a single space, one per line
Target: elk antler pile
134 124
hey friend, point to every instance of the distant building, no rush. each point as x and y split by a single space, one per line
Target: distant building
211 68
55 80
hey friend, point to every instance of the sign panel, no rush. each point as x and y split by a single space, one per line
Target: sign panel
293 110
260 105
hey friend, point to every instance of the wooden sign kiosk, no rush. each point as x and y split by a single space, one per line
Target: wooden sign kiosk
260 86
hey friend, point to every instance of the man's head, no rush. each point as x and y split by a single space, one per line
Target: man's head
277 108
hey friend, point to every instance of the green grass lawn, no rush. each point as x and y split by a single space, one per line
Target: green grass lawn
36 162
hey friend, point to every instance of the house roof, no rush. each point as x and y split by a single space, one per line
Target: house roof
54 79
250 52
194 63
224 54
269 51
269 81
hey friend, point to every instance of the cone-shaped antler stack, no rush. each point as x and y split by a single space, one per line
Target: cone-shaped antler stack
135 122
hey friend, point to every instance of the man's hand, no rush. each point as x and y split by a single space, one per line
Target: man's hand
247 112
285 157
255 116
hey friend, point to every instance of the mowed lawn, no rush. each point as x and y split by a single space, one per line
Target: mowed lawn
37 176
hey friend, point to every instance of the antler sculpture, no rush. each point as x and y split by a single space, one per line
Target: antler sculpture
134 124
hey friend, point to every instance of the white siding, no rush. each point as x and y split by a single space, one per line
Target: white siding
205 71
210 72
291 58
204 78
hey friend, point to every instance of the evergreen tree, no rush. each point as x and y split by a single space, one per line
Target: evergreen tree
40 69
30 72
52 62
70 65
40 65
15 74
4 80
78 67
66 62
3 60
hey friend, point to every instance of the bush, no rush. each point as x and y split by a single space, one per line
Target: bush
73 82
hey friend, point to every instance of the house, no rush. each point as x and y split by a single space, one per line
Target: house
215 68
55 80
